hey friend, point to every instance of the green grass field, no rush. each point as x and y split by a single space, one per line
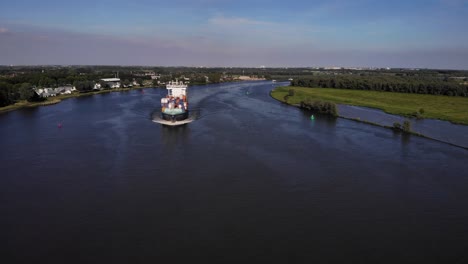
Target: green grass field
454 109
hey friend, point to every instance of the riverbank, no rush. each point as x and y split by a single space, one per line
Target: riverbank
280 92
57 99
24 104
448 108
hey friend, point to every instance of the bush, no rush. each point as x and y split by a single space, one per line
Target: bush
320 107
407 126
417 115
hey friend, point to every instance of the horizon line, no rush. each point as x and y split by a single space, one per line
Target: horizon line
334 67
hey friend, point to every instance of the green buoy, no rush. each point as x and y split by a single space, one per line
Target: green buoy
312 117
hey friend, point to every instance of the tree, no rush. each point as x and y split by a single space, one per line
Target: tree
25 91
36 98
390 83
406 126
214 77
103 84
4 100
333 109
139 81
126 83
165 78
320 107
46 82
6 94
84 86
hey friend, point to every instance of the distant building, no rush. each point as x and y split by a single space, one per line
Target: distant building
65 89
112 82
49 92
249 78
45 92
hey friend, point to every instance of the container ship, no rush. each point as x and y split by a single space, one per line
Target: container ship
174 107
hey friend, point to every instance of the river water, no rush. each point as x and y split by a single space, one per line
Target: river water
437 129
252 180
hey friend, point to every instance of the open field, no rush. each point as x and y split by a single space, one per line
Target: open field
453 109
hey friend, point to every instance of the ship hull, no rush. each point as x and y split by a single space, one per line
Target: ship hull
175 117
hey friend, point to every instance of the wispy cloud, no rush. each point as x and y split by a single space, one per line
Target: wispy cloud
241 32
236 21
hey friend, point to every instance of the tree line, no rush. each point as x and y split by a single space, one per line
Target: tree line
388 83
10 94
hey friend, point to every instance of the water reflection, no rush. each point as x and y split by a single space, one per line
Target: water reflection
29 112
174 138
313 118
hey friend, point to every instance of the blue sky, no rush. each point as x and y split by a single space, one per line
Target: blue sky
429 34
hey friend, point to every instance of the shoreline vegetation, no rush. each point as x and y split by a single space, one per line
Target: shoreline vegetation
18 83
57 99
447 108
21 85
296 96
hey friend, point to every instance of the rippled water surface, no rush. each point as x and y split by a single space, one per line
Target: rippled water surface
436 129
252 180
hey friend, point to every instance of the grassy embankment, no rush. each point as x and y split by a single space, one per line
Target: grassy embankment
453 109
59 98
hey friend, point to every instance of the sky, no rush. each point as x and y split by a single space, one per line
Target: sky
240 33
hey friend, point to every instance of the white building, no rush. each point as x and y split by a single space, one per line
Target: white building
49 92
112 82
65 89
45 92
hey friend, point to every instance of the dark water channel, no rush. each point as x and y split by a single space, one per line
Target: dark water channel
436 129
251 180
